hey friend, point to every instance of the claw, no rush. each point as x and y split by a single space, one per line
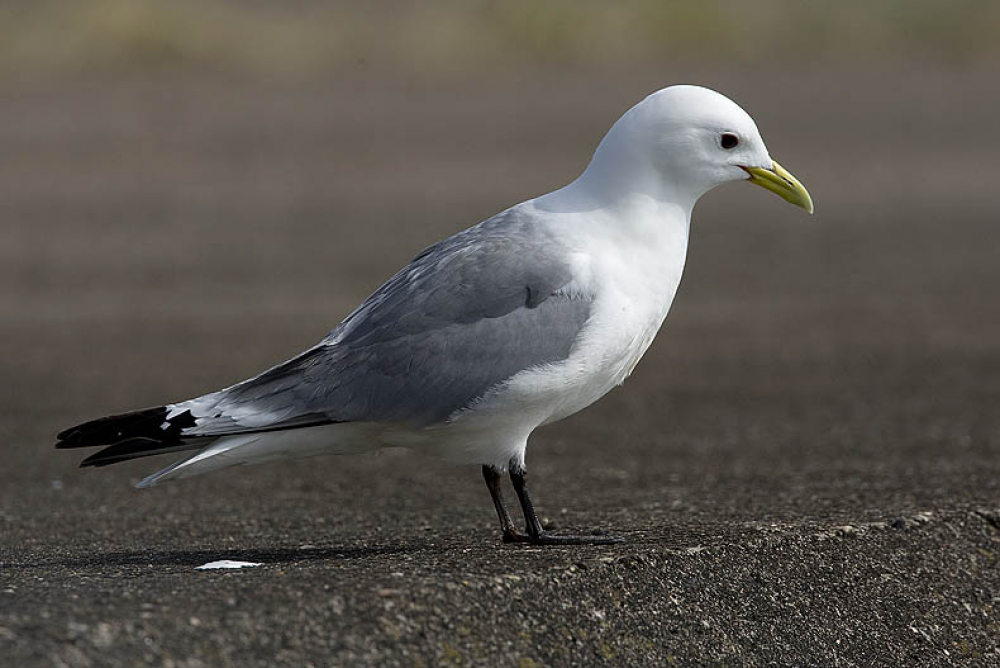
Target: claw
535 535
545 538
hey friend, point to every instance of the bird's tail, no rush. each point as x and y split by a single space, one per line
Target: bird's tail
219 439
128 436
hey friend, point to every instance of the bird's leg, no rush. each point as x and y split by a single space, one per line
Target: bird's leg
510 533
536 534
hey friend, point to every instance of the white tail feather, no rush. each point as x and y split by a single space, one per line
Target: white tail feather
260 447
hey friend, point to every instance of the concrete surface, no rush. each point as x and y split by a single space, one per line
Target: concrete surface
806 465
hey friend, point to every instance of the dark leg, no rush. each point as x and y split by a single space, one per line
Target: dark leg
536 534
510 533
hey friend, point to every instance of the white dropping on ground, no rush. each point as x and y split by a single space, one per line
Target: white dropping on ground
226 563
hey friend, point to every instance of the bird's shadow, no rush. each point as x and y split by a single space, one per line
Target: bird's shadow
202 556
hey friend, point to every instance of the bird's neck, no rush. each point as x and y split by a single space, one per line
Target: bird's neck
645 232
620 178
619 200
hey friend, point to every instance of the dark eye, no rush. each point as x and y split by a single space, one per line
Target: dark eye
729 140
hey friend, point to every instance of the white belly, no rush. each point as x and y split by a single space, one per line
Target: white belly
613 342
631 303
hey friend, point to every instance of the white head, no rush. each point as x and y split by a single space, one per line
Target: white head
682 141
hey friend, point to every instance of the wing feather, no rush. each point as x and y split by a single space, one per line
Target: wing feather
465 315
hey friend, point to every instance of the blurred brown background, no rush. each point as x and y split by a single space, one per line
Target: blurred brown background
191 192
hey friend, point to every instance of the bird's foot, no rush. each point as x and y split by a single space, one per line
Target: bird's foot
516 537
546 538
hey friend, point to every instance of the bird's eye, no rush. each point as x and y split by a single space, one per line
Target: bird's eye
729 140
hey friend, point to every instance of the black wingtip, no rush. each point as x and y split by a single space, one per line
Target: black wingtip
145 426
119 452
139 447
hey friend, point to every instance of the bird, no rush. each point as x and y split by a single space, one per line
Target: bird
515 323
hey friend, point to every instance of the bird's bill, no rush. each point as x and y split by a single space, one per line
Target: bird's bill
781 182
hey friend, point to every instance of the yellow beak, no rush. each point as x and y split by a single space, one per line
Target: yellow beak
781 182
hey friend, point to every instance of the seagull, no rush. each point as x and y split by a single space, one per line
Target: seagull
512 324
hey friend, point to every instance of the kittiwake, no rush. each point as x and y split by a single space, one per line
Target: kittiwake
519 321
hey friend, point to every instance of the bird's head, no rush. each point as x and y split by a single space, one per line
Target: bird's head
688 140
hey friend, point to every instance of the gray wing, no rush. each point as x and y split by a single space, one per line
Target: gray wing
464 316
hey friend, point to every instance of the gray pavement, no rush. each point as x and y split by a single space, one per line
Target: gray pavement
806 465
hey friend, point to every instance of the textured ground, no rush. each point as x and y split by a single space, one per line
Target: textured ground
806 465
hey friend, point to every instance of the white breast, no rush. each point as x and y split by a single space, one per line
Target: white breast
632 276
